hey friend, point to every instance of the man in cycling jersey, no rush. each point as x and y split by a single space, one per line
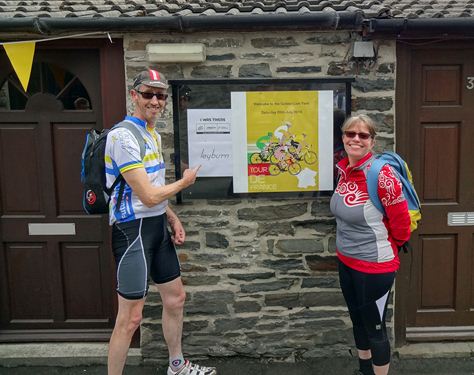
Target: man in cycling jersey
142 245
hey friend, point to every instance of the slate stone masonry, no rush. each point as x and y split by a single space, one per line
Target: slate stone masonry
260 274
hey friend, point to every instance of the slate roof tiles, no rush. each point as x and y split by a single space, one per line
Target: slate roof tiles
134 8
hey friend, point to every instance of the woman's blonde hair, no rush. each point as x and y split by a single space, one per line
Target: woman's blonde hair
351 121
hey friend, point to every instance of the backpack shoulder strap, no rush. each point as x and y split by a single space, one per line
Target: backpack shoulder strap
136 133
401 168
373 183
397 163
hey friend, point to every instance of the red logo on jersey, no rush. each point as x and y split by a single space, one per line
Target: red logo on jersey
351 193
90 197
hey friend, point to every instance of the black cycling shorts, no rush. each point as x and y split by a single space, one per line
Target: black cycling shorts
143 249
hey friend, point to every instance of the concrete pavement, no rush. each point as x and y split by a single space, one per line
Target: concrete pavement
248 366
456 358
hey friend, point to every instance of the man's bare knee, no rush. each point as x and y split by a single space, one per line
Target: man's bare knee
175 302
135 320
129 323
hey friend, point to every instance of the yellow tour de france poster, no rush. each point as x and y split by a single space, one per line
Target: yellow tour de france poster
282 141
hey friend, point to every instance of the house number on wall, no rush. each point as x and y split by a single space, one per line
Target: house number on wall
470 83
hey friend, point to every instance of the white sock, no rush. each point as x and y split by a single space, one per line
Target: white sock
177 362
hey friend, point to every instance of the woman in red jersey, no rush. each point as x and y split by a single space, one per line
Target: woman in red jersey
367 242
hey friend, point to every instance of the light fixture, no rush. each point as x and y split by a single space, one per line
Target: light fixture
176 52
363 49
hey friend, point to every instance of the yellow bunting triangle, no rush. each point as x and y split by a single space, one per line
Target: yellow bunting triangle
21 58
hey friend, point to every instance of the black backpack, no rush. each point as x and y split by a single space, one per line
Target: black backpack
96 195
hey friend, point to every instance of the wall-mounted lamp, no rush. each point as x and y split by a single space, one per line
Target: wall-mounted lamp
176 52
363 50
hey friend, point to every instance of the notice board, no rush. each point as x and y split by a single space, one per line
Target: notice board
275 137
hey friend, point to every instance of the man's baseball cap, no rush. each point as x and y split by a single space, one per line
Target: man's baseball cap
151 78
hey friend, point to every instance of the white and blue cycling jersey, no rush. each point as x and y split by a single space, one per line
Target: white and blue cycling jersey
122 153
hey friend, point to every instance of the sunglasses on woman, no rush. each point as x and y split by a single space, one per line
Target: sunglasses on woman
150 95
363 136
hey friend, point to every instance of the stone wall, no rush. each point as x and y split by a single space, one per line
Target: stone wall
260 274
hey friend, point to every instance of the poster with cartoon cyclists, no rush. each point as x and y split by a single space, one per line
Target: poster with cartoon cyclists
282 141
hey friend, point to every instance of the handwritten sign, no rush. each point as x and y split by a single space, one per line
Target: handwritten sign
210 141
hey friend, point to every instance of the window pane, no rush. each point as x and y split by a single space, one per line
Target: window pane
47 79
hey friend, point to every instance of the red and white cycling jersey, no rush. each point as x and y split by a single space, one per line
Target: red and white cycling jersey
366 240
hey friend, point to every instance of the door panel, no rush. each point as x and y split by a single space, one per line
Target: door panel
440 169
26 267
445 76
20 190
436 133
434 248
53 285
84 302
471 282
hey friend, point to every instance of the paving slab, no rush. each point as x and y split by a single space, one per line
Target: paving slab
250 366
